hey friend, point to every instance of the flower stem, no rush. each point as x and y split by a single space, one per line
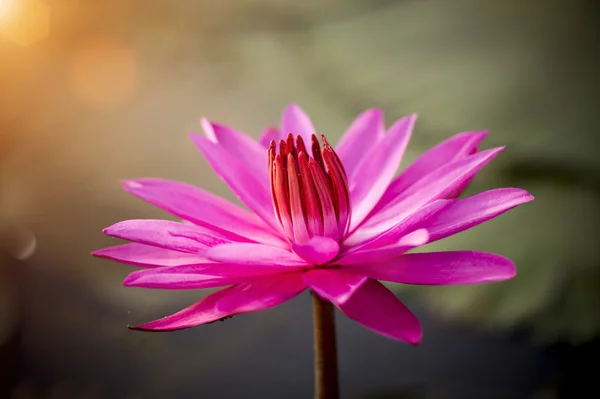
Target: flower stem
326 370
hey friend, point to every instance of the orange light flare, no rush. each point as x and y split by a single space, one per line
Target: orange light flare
24 22
103 72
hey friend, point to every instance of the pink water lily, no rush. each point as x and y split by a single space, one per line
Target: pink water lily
334 221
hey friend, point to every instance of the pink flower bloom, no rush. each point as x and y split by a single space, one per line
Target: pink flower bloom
332 221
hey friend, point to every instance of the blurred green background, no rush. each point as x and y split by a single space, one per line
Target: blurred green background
92 92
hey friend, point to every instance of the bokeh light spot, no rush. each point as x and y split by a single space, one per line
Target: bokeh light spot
103 72
24 22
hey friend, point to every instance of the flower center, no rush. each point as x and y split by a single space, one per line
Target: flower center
310 193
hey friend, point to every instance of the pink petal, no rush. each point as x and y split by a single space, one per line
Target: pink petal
203 208
366 131
243 148
147 256
251 189
264 293
270 134
369 236
294 120
178 281
253 255
453 149
378 309
318 250
434 186
377 169
388 252
471 211
243 298
198 276
334 285
166 234
441 268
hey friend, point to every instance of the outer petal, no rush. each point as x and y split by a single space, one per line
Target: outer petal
243 298
251 189
253 255
453 149
366 130
267 292
270 134
380 234
148 256
334 285
199 276
294 120
245 149
376 308
441 268
166 234
471 211
434 186
388 252
203 208
377 169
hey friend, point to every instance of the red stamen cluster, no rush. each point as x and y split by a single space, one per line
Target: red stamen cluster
310 193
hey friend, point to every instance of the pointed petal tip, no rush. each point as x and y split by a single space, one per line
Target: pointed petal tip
292 107
132 184
137 280
475 136
481 134
524 196
208 129
112 229
129 281
148 327
412 118
141 327
407 121
415 340
100 253
413 337
508 272
528 197
489 153
374 112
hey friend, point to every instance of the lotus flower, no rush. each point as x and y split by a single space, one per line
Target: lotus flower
334 221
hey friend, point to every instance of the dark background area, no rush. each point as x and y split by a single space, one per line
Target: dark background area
92 92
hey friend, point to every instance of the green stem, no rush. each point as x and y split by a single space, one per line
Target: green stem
326 370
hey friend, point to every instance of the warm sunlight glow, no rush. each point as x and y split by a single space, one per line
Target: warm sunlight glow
7 11
24 22
103 72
